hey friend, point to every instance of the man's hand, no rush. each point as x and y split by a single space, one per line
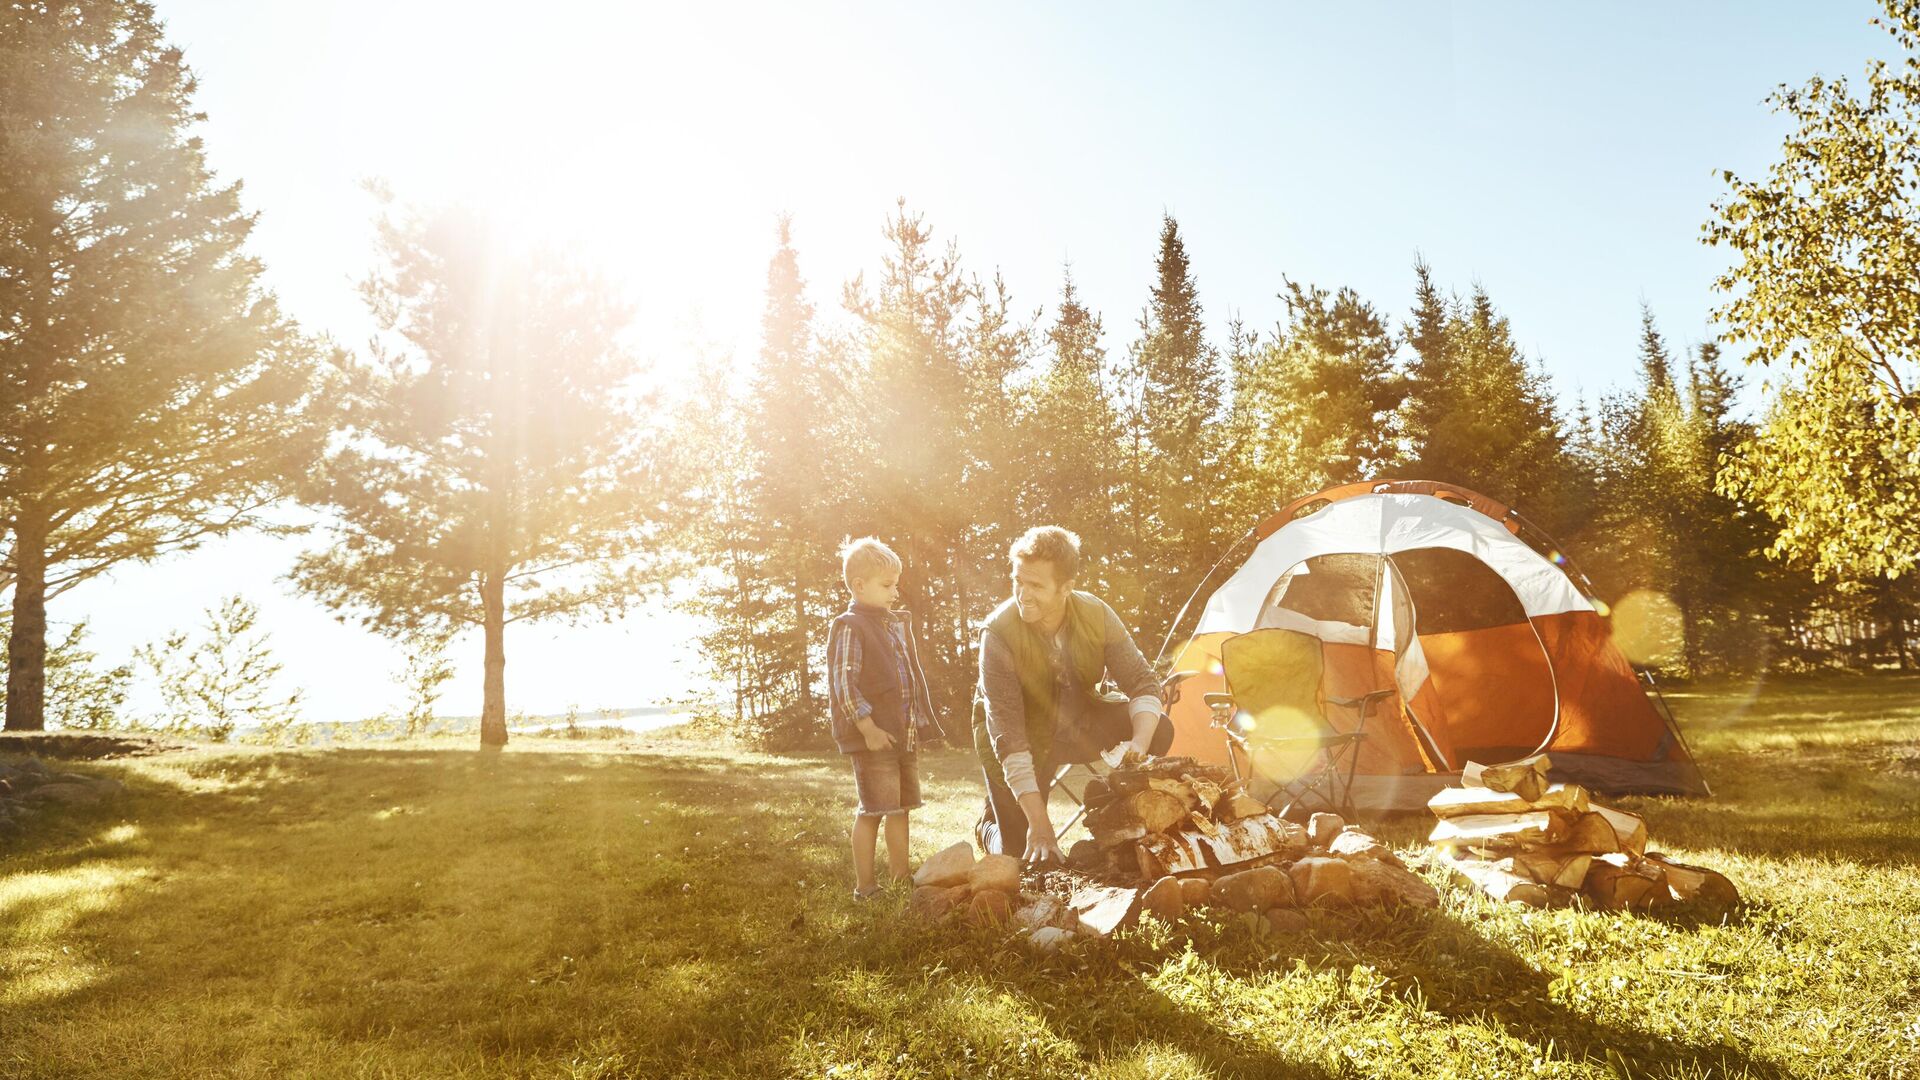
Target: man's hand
876 739
1043 847
1042 850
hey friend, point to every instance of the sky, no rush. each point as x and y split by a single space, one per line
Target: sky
1562 158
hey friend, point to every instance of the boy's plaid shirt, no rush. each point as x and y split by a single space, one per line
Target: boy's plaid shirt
844 657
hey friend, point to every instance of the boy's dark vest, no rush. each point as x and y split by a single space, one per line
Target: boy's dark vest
1085 659
879 677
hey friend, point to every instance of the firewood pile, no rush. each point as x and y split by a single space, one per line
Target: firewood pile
1521 838
1169 835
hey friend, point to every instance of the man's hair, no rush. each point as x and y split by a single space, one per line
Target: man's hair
1049 543
865 557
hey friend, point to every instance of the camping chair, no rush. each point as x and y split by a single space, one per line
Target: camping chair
1273 681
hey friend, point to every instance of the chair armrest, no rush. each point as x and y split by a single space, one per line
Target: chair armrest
1217 699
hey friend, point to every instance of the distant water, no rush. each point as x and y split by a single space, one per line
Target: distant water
635 721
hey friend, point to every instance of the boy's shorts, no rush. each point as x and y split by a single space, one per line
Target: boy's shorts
886 781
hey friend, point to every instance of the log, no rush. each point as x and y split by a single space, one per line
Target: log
1149 811
1696 884
1568 871
1533 827
1500 884
1209 792
1236 842
1239 805
1526 778
1621 882
1628 828
1456 802
1590 834
1179 789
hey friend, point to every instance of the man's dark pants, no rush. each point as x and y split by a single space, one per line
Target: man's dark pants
1003 827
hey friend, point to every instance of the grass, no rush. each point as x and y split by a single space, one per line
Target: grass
660 908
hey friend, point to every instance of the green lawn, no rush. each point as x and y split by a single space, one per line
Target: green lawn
661 908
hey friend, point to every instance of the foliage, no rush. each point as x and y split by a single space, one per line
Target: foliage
425 669
81 693
493 455
221 681
1478 414
1827 287
151 393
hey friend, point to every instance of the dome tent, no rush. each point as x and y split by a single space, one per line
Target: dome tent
1491 648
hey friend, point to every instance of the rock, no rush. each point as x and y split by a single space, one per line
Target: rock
1049 938
1085 856
1323 880
948 866
1254 890
936 901
1287 921
996 872
1389 883
1195 892
1040 911
1101 909
1354 844
1322 828
990 907
1164 898
67 794
35 766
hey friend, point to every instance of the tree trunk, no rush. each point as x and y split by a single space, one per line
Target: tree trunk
493 708
800 641
27 646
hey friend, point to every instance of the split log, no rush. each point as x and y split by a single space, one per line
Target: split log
1500 884
1263 837
1210 793
1590 834
1621 882
1132 816
1179 789
1548 868
1631 831
1457 802
1696 884
1239 805
1534 827
1526 778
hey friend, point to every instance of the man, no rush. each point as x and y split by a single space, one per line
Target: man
1043 654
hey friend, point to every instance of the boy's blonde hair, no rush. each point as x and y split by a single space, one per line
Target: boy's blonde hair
865 557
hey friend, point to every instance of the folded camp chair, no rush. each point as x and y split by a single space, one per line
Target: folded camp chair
1273 715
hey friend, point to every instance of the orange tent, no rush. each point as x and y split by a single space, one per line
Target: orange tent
1471 617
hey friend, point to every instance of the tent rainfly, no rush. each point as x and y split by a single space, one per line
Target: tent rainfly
1435 592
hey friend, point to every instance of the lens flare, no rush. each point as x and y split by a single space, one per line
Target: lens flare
1282 741
1601 606
1558 559
1649 627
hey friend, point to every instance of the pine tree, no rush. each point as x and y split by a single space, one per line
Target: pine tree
793 494
494 466
1174 441
151 393
1477 414
1071 440
912 385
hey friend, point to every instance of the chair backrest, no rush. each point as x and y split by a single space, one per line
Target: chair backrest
1274 675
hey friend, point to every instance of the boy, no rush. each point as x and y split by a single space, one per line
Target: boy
878 701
